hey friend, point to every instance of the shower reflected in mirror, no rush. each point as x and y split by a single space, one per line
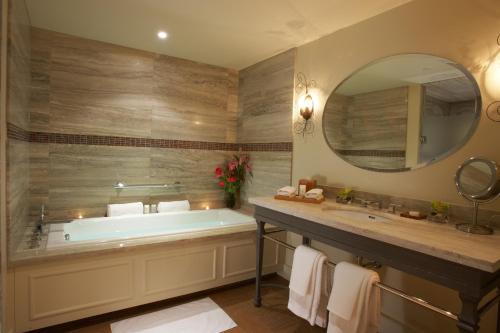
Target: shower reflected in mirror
402 112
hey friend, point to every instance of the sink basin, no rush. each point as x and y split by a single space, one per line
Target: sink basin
360 216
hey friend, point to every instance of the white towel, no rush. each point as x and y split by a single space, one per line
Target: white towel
314 193
173 206
132 208
288 191
306 290
354 303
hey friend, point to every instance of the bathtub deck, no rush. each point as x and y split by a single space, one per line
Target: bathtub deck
273 316
26 256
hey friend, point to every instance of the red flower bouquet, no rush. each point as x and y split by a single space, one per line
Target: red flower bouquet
231 177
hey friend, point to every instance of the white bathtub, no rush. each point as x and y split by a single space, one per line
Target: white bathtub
104 229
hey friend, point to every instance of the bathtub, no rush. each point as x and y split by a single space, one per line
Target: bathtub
106 229
164 256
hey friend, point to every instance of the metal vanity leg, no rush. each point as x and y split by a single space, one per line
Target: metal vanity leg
260 254
468 320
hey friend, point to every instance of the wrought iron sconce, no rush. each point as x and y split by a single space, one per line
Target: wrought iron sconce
493 110
305 125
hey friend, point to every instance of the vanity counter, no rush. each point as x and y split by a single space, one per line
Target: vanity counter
438 240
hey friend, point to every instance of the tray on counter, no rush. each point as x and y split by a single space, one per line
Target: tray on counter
299 199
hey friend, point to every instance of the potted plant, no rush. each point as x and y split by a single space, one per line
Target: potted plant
439 211
345 195
231 178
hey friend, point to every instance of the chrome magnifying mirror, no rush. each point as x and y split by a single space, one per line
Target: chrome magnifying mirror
477 180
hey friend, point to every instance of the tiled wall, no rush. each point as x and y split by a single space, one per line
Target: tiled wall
18 115
102 113
265 115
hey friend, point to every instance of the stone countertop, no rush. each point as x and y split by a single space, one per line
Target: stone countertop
438 240
27 256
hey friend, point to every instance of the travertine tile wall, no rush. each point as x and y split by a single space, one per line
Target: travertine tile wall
18 115
87 96
87 87
265 115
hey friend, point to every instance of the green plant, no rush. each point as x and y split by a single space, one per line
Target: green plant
440 207
345 193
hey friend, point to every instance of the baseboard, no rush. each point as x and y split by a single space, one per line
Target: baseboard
286 272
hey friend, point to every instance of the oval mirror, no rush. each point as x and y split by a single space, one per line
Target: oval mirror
402 112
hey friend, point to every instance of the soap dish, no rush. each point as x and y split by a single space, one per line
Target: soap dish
407 215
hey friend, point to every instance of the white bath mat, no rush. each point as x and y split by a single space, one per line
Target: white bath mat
203 316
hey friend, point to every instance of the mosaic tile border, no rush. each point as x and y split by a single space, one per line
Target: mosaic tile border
17 133
371 152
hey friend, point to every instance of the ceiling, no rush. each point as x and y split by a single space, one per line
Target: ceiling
228 33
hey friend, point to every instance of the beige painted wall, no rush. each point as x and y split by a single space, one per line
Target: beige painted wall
461 30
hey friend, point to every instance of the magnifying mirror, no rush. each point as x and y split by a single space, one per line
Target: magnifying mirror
477 180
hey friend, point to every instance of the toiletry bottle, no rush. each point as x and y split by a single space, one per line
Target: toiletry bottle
153 209
146 209
310 184
302 189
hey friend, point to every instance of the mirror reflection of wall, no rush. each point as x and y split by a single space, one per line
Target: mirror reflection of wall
401 112
476 177
449 109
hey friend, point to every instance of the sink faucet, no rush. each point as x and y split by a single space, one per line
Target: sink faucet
393 207
369 203
374 204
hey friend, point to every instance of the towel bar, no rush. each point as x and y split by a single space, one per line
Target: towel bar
400 293
478 289
120 185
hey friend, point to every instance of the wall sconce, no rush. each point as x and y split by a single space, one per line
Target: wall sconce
305 125
493 110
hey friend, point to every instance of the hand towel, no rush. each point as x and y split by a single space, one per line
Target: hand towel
173 206
132 208
314 193
306 290
354 303
288 191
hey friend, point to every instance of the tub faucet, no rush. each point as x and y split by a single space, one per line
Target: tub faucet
41 220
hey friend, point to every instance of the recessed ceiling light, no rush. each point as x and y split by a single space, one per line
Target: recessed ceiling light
162 35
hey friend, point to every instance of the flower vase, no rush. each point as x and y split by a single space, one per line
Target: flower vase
233 200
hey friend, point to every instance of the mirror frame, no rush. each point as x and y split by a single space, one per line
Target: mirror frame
493 189
477 115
